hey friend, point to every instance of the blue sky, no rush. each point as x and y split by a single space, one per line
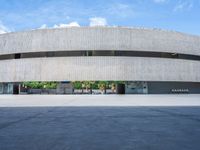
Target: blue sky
177 15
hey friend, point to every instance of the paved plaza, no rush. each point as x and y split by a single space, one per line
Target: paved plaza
98 127
98 100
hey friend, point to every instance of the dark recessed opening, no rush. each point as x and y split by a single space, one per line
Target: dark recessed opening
100 53
17 56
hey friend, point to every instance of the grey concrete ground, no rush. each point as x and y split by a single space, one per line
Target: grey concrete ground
100 128
98 100
74 126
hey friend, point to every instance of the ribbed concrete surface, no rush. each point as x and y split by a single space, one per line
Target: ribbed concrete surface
99 68
99 38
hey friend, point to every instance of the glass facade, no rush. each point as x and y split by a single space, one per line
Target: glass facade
137 87
6 88
1 88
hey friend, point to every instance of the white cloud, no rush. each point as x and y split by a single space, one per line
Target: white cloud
71 24
183 5
61 25
121 10
159 1
2 31
98 21
44 26
3 28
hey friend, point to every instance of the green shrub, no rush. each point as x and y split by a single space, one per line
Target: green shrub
40 85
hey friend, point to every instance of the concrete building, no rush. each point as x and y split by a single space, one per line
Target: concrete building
149 60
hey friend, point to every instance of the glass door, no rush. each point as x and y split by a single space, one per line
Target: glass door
1 88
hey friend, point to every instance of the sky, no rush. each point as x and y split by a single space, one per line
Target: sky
175 15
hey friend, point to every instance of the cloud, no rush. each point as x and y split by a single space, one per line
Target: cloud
159 1
44 26
121 10
3 28
183 5
61 25
98 21
71 24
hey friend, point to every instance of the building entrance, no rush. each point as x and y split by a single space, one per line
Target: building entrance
16 89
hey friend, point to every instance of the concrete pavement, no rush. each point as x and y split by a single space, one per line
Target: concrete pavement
99 122
98 100
100 128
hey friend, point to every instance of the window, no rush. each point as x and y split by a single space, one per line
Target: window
1 88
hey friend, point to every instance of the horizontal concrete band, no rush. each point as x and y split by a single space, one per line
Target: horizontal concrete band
99 38
99 68
99 53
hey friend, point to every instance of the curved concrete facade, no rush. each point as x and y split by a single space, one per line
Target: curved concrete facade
98 67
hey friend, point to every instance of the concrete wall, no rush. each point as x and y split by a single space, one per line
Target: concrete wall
99 38
99 68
